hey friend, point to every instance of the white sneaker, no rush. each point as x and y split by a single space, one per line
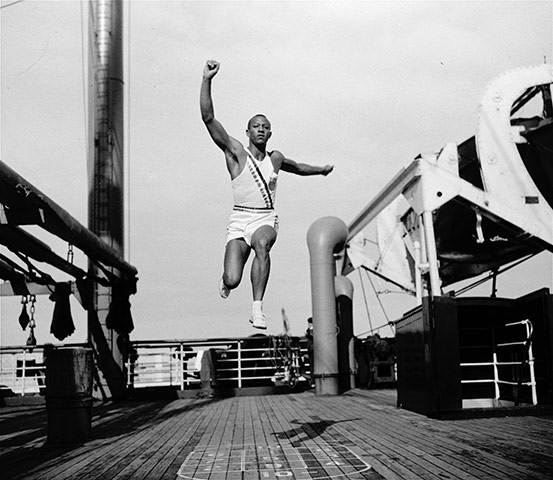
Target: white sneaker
224 291
259 321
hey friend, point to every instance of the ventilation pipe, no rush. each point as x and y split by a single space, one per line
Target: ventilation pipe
326 237
344 312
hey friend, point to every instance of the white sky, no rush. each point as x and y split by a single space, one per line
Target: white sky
364 85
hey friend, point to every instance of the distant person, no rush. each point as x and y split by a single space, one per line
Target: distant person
253 171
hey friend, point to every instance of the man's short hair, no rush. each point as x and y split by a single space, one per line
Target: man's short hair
258 115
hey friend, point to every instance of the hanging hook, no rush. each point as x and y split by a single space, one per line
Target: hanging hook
31 341
70 253
32 311
24 316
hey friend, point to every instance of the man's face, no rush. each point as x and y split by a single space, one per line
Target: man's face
259 130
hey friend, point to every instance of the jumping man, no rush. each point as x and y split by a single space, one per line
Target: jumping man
253 222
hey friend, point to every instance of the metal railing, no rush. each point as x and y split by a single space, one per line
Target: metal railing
238 363
519 347
22 370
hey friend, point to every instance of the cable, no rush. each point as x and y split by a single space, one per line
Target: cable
11 4
365 298
378 297
372 329
376 329
488 278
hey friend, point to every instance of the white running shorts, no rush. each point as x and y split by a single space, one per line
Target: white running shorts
243 223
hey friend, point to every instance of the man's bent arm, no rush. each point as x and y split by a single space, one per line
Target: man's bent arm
291 166
214 127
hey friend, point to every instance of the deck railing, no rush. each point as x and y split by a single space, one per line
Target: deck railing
237 363
511 364
22 370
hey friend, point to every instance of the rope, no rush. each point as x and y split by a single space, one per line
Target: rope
13 264
11 4
389 323
389 280
378 297
365 298
489 277
33 272
378 328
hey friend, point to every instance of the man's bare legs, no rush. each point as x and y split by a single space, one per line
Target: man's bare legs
236 255
262 241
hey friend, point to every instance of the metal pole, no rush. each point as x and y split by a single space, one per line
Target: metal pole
106 182
432 255
240 364
418 272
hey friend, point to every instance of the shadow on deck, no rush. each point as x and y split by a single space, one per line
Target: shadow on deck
358 435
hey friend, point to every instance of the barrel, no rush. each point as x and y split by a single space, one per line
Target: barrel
69 394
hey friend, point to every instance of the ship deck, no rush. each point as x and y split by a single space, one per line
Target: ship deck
357 435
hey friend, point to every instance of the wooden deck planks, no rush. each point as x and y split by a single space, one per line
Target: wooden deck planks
98 454
438 441
152 440
351 426
293 421
155 449
466 446
186 444
114 454
428 451
210 434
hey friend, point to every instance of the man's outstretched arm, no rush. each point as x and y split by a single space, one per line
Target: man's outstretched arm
291 166
214 127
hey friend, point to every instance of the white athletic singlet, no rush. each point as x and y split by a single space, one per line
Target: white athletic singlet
254 192
254 189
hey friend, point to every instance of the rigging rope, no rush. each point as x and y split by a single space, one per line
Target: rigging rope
33 272
388 322
365 299
11 4
490 276
378 297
